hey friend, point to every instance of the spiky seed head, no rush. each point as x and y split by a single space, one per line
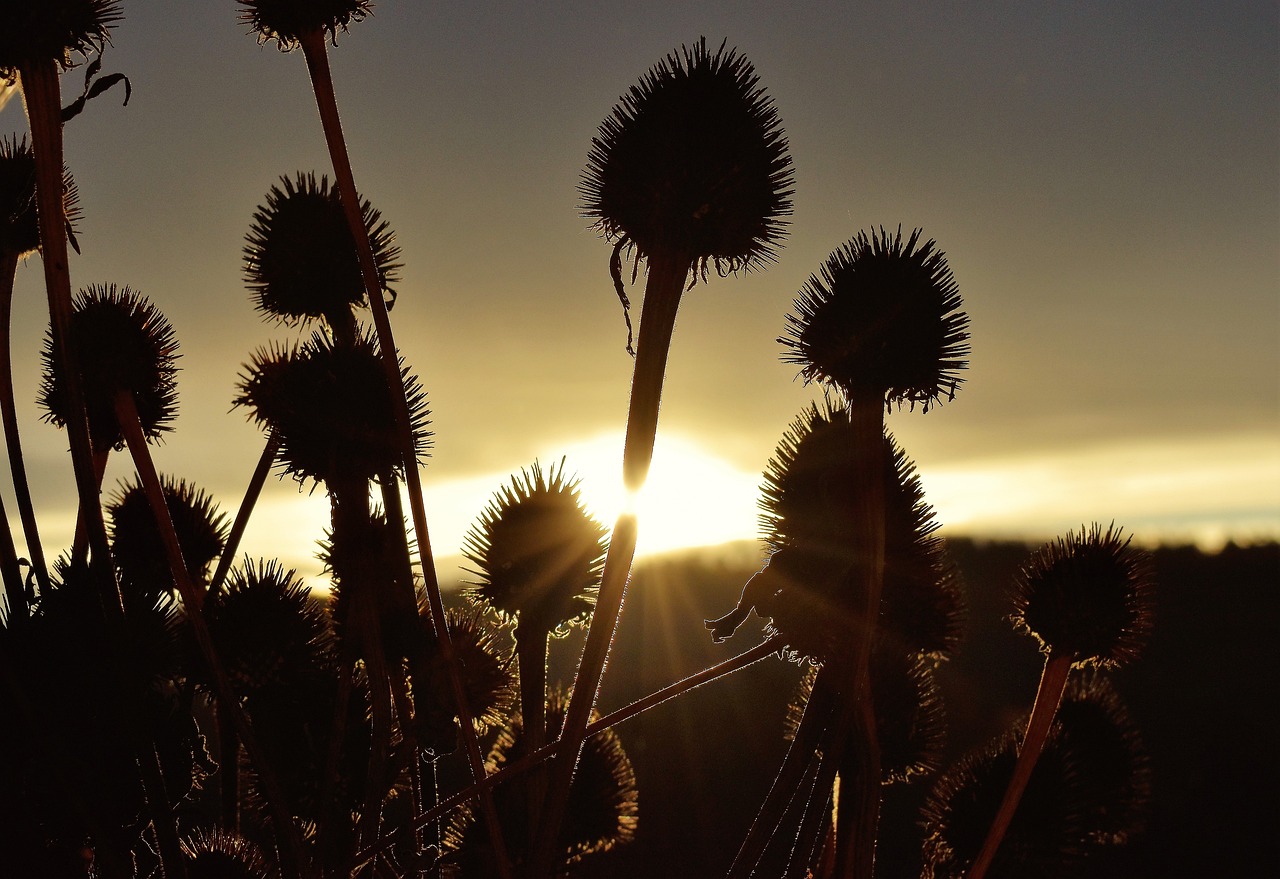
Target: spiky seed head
54 30
332 407
123 344
19 229
269 630
220 854
1089 595
300 259
881 317
602 811
286 20
537 553
136 544
487 679
808 518
692 163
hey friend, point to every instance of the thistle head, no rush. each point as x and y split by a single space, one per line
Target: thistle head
487 681
537 553
54 30
19 230
692 163
332 408
285 21
122 344
882 318
220 854
138 548
300 259
1088 595
602 811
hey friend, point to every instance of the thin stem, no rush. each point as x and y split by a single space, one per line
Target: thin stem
533 758
291 849
163 820
316 54
15 594
531 653
663 289
251 495
42 95
8 411
1053 682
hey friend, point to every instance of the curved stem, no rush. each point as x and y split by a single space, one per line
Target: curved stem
313 48
663 289
193 599
1053 682
8 411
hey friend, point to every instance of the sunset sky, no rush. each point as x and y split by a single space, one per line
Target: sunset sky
1104 177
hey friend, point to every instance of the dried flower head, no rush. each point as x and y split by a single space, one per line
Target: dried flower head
54 30
220 854
810 587
602 811
537 552
286 20
692 163
19 231
138 548
882 317
269 631
333 409
486 678
300 258
123 344
1088 595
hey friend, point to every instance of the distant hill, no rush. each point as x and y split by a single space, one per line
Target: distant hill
1203 695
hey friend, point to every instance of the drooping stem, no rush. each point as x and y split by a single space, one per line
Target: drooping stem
663 290
292 859
251 495
316 54
42 95
1053 682
8 411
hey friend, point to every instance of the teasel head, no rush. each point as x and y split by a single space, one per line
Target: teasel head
810 586
221 854
300 260
881 318
537 553
54 30
1094 725
332 409
602 812
285 21
1088 595
269 631
138 548
693 164
910 720
1047 836
365 556
487 679
19 231
123 345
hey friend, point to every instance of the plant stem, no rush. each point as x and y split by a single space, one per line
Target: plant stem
42 95
291 851
316 54
663 289
531 654
15 594
1053 682
8 411
251 495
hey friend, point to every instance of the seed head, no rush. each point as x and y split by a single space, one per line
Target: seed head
693 163
537 552
1089 595
220 854
44 30
300 258
286 20
19 230
122 343
882 316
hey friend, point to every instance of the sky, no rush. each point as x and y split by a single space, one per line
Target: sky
1103 176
